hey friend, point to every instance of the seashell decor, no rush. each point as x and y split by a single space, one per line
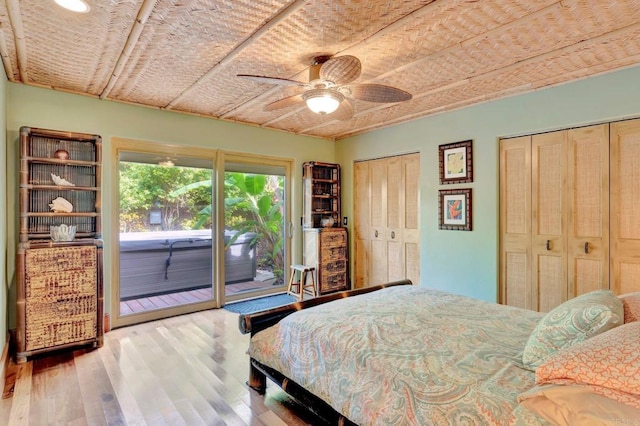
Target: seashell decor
61 205
61 181
63 232
61 154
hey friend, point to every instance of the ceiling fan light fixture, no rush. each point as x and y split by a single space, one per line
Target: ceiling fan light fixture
79 6
322 101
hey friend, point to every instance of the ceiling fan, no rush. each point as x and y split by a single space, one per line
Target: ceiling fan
331 87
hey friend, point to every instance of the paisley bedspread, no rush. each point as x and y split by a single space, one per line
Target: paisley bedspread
407 355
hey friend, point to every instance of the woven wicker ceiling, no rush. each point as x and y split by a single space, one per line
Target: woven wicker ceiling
184 55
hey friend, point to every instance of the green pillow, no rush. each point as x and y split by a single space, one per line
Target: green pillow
572 322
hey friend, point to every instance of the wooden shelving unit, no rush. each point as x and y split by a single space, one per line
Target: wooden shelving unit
60 288
321 194
325 240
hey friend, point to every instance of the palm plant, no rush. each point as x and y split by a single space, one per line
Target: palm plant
253 204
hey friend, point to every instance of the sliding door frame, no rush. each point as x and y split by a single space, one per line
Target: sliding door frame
218 160
250 159
119 145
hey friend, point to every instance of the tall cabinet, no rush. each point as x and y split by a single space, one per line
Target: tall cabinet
325 240
567 215
387 236
59 293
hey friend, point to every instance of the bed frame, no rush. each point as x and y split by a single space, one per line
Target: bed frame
258 373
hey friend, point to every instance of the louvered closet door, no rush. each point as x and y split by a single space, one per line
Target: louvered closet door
362 245
588 215
402 232
378 272
515 222
395 219
411 203
549 239
386 199
625 206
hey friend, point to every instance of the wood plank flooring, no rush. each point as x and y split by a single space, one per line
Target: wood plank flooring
186 370
152 303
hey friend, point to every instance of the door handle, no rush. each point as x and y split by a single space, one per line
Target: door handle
376 233
548 245
393 235
586 247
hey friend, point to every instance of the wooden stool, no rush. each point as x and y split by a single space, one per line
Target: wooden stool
298 288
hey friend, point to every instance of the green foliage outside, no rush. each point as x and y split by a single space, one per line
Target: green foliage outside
145 187
253 203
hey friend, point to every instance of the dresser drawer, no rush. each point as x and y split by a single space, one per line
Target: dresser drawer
333 238
334 282
333 253
334 266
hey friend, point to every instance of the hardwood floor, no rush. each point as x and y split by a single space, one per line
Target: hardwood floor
186 370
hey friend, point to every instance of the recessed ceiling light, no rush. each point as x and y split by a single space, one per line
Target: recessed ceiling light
79 6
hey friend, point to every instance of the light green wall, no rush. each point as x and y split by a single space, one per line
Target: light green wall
462 262
3 213
36 107
467 262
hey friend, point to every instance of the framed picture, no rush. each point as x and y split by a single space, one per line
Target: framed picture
455 209
456 163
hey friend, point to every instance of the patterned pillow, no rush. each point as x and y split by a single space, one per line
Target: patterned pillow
631 304
572 322
608 363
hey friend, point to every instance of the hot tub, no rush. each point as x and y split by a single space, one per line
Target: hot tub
153 263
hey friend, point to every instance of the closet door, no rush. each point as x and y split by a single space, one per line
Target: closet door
411 230
378 272
548 225
588 213
386 220
395 219
515 222
361 225
402 233
625 206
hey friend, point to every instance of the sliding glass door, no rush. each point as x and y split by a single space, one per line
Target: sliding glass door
256 215
165 239
196 228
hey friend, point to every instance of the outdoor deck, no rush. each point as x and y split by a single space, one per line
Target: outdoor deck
168 300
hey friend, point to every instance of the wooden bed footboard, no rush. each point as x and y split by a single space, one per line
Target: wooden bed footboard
258 321
258 373
315 405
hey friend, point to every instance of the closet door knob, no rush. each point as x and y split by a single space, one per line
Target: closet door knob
586 247
393 234
376 233
548 245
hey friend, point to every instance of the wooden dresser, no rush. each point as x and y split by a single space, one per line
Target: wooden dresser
326 249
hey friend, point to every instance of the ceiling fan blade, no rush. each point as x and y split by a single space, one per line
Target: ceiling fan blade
341 70
284 102
377 93
344 111
271 80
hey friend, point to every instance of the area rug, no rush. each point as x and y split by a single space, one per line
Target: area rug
260 304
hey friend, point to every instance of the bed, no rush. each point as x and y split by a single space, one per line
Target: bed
401 354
